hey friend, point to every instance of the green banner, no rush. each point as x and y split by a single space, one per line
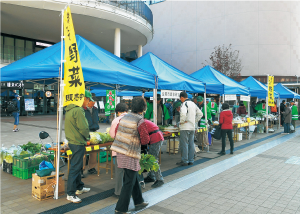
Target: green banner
110 100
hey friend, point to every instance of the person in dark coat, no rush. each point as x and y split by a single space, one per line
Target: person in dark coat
241 109
282 109
287 118
226 117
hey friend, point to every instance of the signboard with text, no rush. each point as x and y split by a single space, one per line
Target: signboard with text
230 97
29 105
170 94
245 98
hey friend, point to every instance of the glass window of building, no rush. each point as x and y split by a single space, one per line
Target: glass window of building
28 48
8 50
1 55
19 49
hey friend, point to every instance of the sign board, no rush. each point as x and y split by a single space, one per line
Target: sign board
245 98
48 94
12 84
127 97
101 105
170 94
29 105
110 100
230 97
271 101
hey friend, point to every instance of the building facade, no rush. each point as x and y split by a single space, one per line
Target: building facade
120 27
266 34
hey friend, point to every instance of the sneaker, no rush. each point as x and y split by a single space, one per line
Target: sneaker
84 189
73 199
157 183
92 171
148 179
15 130
141 206
231 152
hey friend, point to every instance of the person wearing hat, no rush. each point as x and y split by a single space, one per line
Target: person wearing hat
78 134
176 109
16 112
287 118
208 109
91 114
294 114
169 106
213 108
200 105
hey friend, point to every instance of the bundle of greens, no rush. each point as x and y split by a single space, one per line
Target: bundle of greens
33 148
148 163
105 137
95 138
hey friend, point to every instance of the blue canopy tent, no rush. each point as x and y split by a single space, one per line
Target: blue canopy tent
218 83
169 77
257 89
8 93
284 92
102 93
98 65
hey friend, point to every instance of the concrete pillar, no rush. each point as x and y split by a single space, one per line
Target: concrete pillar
140 51
117 45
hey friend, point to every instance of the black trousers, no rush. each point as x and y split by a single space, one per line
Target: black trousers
229 134
74 178
131 187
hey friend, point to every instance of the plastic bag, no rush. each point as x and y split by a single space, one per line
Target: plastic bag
45 165
292 128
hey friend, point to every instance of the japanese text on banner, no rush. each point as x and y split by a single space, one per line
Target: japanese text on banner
110 100
271 91
73 78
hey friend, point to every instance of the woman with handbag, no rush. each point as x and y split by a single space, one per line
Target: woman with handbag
226 117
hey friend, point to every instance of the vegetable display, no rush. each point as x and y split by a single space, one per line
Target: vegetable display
148 163
9 158
95 138
105 137
32 147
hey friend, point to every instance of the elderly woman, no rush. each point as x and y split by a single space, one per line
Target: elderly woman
287 118
131 134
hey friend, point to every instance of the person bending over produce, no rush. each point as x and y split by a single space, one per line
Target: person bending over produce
77 133
91 114
131 134
156 140
121 110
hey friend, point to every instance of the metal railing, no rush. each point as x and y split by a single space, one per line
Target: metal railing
135 6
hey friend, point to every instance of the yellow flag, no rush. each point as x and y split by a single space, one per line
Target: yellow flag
271 91
73 78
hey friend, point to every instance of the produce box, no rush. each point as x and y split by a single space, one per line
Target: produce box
7 167
43 187
24 173
103 157
22 163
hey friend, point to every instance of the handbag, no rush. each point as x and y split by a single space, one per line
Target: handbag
217 132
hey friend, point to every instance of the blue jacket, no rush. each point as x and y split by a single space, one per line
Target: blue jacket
18 103
170 109
93 119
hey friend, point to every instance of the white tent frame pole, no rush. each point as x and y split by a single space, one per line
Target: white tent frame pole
155 103
249 116
205 111
60 109
267 107
279 115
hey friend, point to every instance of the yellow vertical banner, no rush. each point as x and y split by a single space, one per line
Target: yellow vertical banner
73 78
271 91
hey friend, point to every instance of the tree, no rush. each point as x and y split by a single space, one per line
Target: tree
226 61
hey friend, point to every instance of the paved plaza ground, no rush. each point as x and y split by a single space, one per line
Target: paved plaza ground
262 176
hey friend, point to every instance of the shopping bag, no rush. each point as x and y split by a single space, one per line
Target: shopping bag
45 165
292 127
217 132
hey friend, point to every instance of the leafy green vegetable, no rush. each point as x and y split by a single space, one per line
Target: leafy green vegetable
105 137
95 138
148 163
24 153
9 158
32 147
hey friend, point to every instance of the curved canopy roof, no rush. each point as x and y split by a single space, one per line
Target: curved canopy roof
169 77
284 92
218 83
257 89
98 65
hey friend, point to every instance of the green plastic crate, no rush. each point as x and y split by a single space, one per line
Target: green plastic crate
17 159
103 157
22 163
24 173
50 155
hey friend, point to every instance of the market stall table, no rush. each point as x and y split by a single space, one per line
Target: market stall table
237 126
91 149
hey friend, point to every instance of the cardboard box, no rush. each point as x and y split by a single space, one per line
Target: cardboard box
43 187
170 146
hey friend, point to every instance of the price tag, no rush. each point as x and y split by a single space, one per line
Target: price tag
173 135
96 147
198 130
88 149
69 152
204 129
178 133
